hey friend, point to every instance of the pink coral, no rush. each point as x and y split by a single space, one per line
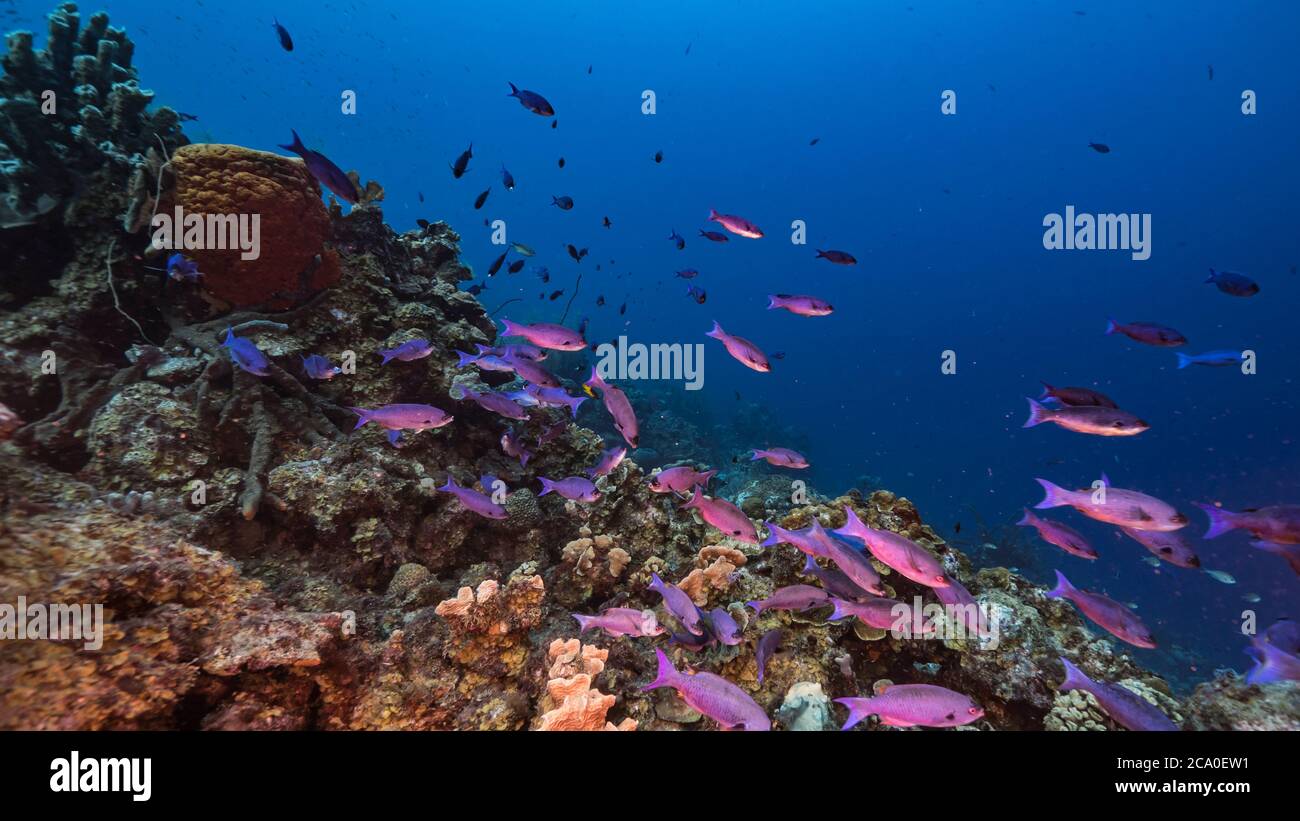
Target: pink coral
575 704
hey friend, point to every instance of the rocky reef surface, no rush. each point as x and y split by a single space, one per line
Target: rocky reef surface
262 565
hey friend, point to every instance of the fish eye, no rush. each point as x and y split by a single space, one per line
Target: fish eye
974 711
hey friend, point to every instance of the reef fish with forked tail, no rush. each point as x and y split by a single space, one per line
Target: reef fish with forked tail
914 705
800 305
408 351
397 418
1125 508
546 335
616 402
532 101
246 355
621 621
1279 523
741 349
678 603
1125 707
476 502
900 553
1105 612
318 367
1063 536
1077 396
1093 419
609 460
679 479
797 597
723 515
1168 546
712 696
739 226
1276 653
781 457
329 174
1148 333
573 488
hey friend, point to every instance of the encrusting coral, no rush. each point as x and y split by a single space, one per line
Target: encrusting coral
571 702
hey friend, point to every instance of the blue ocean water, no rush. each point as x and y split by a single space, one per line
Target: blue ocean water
944 213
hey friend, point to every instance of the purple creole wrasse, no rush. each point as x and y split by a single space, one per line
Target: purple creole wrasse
513 446
520 350
318 367
899 553
1125 707
1167 546
182 269
677 240
246 355
1278 523
852 562
1077 396
545 335
1125 508
741 349
711 695
1209 359
1289 552
532 101
491 401
621 621
688 273
914 705
833 581
484 362
326 172
1092 419
476 502
620 409
609 460
1233 284
1105 612
680 479
723 627
677 603
286 42
837 257
1276 653
739 226
574 488
958 602
698 294
798 597
766 647
781 457
526 369
882 614
554 398
408 351
800 305
1063 536
1148 333
397 418
723 515
805 540
714 236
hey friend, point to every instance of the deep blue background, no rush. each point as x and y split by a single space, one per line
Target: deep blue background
944 214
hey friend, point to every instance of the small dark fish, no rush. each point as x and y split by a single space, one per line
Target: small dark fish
681 243
286 42
573 252
1148 333
563 203
482 198
532 101
555 123
659 156
688 49
1233 284
588 69
424 224
496 266
688 273
187 117
777 355
1100 148
600 301
713 236
622 309
516 266
815 140
607 222
582 327
544 275
697 294
561 162
329 174
837 257
1210 68
462 162
956 528
1078 396
557 294
421 195
507 179
476 289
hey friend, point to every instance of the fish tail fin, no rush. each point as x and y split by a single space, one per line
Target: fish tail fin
820 254
713 214
771 302
1063 587
1213 275
595 381
772 539
296 146
1260 673
859 708
547 485
509 328
363 416
1112 327
584 622
388 357
756 456
449 486
837 612
667 674
1027 520
810 567
575 403
1038 413
1048 391
694 502
514 90
706 476
1053 495
1183 360
717 332
1221 521
465 359
1074 678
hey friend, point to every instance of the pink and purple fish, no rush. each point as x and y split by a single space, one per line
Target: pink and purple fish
545 335
769 644
901 554
737 225
621 621
573 488
1125 508
318 367
680 479
1167 546
513 446
329 174
1276 653
476 502
781 457
837 257
677 603
711 695
1063 536
1278 523
1092 419
620 409
397 418
800 305
491 401
797 597
1148 333
1125 707
1077 396
1105 612
609 460
741 349
914 705
246 355
408 351
882 614
723 515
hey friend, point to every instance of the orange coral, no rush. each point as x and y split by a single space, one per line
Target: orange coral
214 179
575 704
698 583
